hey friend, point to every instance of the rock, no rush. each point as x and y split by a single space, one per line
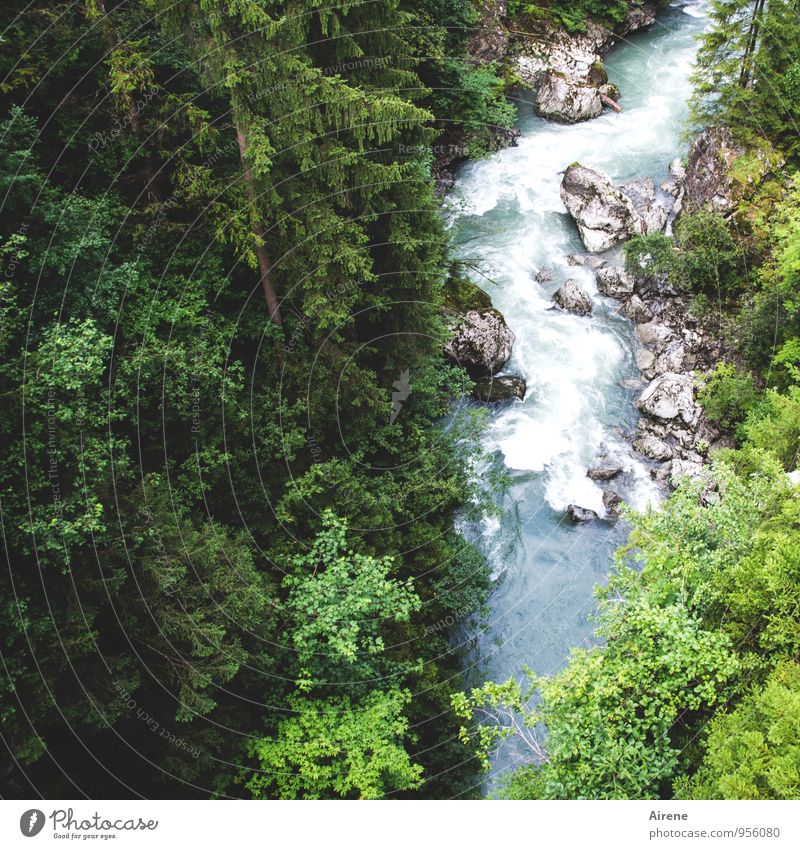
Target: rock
499 389
710 178
652 213
632 383
612 501
654 334
544 275
562 99
645 359
481 343
636 310
686 469
669 397
583 260
580 514
677 177
640 17
604 473
614 282
604 215
707 180
490 40
572 298
651 446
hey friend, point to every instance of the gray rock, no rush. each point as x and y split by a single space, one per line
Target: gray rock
652 213
669 397
604 215
654 334
572 298
544 275
584 260
580 514
604 473
499 389
651 446
564 99
481 343
614 282
636 310
640 17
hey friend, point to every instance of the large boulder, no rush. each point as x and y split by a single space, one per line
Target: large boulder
614 282
481 343
640 16
563 99
571 298
499 389
669 397
604 215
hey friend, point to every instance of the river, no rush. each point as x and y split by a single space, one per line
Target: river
506 210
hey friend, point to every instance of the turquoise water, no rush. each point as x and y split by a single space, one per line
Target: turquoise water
506 210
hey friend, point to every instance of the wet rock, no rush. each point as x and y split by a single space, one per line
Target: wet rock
644 361
636 310
580 514
604 215
563 99
572 298
668 397
614 282
651 446
584 260
481 343
612 501
604 473
499 389
544 275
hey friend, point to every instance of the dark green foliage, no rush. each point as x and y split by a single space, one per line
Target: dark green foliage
703 257
173 441
748 73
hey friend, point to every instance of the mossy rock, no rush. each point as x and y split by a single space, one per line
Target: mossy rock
461 295
597 74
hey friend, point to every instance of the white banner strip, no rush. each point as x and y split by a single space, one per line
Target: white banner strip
480 824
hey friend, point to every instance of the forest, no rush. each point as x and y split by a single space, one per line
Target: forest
233 565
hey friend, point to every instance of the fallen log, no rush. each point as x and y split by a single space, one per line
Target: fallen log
609 102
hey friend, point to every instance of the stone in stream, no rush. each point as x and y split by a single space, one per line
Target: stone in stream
544 275
612 501
580 514
499 389
614 282
571 298
563 99
604 473
604 215
481 343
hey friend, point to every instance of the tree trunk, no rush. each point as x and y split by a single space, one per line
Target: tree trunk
258 232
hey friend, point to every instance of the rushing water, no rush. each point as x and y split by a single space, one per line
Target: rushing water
507 211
